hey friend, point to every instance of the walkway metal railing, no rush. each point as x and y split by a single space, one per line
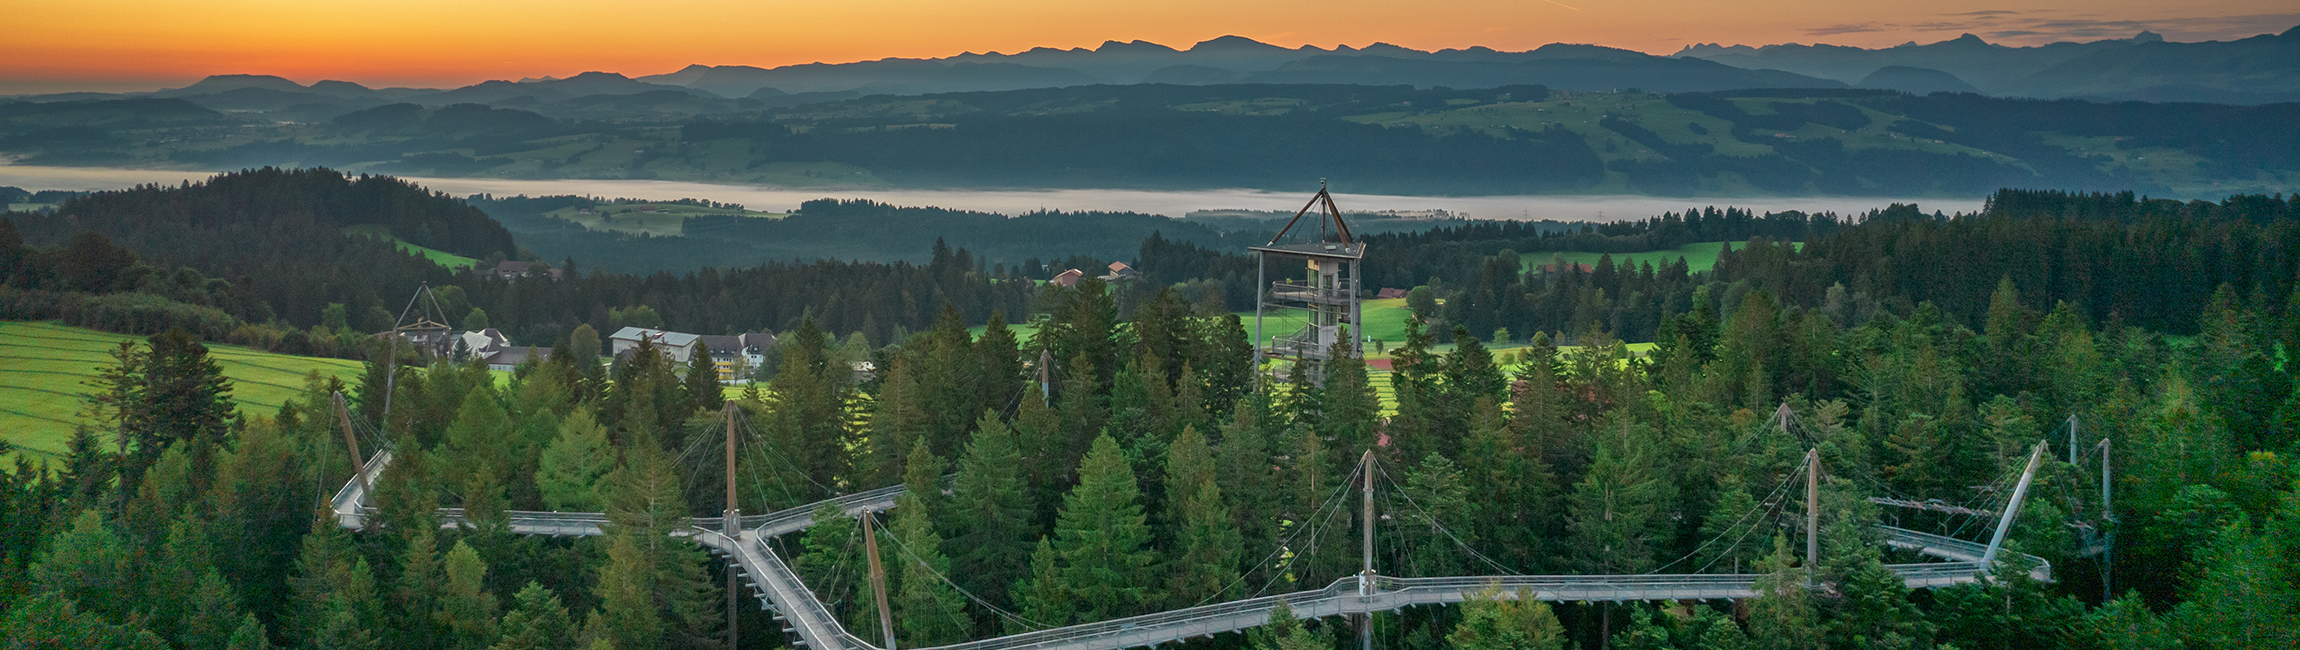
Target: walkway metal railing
819 629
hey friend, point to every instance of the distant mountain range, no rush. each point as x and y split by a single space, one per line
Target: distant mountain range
2258 70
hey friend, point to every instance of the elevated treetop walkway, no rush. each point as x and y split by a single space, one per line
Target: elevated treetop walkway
782 590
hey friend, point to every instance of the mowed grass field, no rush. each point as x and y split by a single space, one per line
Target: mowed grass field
1699 257
655 219
439 257
44 368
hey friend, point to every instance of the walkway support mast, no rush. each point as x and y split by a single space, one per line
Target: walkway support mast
1812 514
878 583
2072 440
358 461
2012 509
1366 529
2107 530
731 523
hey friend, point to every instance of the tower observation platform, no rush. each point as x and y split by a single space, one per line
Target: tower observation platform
1309 318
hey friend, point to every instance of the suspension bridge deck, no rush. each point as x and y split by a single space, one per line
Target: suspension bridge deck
781 590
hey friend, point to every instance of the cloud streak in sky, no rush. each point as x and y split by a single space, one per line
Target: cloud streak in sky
1854 28
2032 28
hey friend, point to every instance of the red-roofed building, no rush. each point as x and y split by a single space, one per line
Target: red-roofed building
1069 278
1387 293
1570 266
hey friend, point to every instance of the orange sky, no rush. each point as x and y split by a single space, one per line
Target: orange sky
55 45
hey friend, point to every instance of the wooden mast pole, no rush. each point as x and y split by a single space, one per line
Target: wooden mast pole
878 583
731 523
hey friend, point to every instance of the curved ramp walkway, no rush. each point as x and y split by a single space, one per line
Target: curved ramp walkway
812 623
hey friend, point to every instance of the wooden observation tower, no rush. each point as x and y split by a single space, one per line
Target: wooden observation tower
1317 311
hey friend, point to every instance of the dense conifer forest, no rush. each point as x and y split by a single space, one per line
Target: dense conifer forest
1923 356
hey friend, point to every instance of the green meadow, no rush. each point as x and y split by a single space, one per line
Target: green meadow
439 257
1699 256
45 367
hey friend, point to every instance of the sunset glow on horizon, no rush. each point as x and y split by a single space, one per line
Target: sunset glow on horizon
111 45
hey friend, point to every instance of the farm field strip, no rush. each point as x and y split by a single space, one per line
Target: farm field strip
44 368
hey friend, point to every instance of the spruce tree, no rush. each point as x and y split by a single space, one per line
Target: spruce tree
1435 514
999 357
1039 436
465 612
1206 542
1513 494
992 513
1469 375
478 440
538 622
1319 528
1490 622
701 383
831 561
1782 617
1352 411
91 565
898 421
578 458
626 591
1245 466
1619 511
1305 400
806 421
1043 596
927 609
214 615
1083 410
922 481
948 375
1731 520
336 605
184 397
415 595
1227 368
1102 539
645 504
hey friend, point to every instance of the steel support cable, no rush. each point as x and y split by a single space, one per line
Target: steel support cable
836 585
1310 525
1282 544
1771 511
1311 548
1858 471
1769 505
1017 618
1993 487
759 475
1434 523
744 422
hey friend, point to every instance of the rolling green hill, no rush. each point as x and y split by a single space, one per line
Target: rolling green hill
43 367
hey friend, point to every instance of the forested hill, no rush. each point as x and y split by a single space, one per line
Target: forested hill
855 229
259 258
280 267
272 212
1381 139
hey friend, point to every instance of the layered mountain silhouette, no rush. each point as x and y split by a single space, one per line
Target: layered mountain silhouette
2257 70
1233 59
